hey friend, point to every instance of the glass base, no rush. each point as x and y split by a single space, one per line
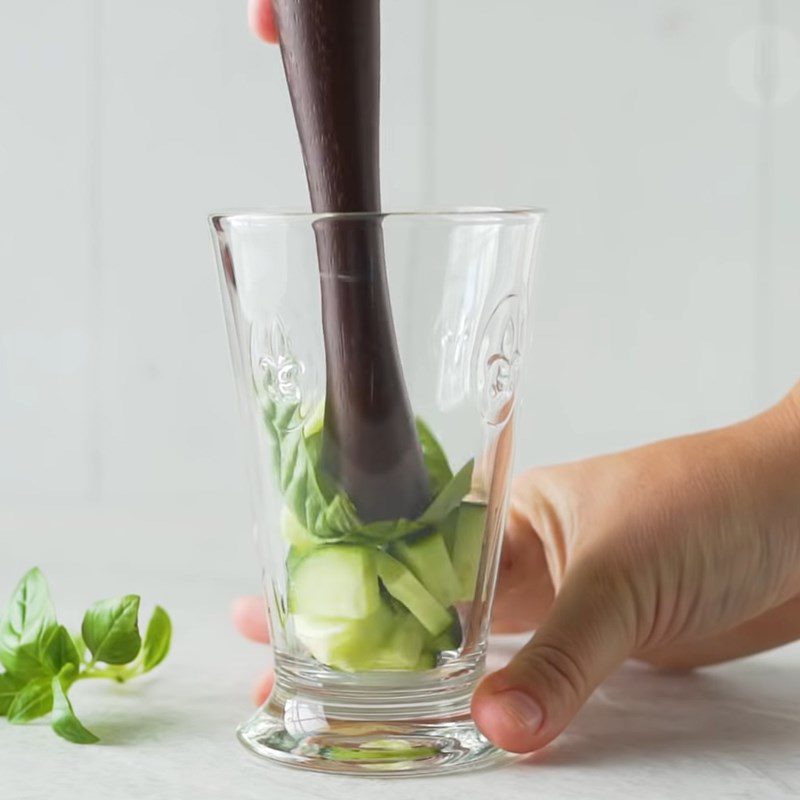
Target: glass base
403 736
403 749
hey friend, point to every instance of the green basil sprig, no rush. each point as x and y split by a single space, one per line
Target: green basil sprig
42 660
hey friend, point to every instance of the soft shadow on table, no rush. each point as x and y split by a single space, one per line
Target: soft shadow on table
641 714
136 714
137 728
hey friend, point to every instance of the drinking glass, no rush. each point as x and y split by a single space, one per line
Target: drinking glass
379 609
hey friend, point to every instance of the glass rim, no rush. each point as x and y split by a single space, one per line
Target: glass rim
465 214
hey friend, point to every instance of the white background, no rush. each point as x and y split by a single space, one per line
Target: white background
662 135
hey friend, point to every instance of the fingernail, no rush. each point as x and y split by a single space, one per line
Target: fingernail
520 709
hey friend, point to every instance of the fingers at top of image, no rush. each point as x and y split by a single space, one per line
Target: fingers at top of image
262 20
250 617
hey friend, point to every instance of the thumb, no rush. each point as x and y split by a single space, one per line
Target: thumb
589 631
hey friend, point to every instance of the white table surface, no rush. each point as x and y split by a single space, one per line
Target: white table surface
732 731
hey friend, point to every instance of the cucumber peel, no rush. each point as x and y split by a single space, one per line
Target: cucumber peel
428 559
403 586
467 547
450 497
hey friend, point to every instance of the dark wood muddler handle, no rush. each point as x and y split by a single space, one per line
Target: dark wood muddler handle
331 55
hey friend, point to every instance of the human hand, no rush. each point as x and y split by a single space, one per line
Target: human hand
682 553
262 21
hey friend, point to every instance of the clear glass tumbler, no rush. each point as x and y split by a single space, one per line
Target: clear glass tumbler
379 393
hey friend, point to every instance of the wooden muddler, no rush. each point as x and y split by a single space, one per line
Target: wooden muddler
331 55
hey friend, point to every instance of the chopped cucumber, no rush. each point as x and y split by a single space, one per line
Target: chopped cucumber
403 586
468 547
449 639
384 640
428 559
387 750
450 496
403 646
337 580
293 557
321 635
427 660
386 605
346 644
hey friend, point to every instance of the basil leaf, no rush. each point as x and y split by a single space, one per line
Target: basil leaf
64 721
9 687
339 518
47 655
111 630
156 639
330 516
384 531
60 651
32 701
80 646
27 660
439 472
295 459
27 624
